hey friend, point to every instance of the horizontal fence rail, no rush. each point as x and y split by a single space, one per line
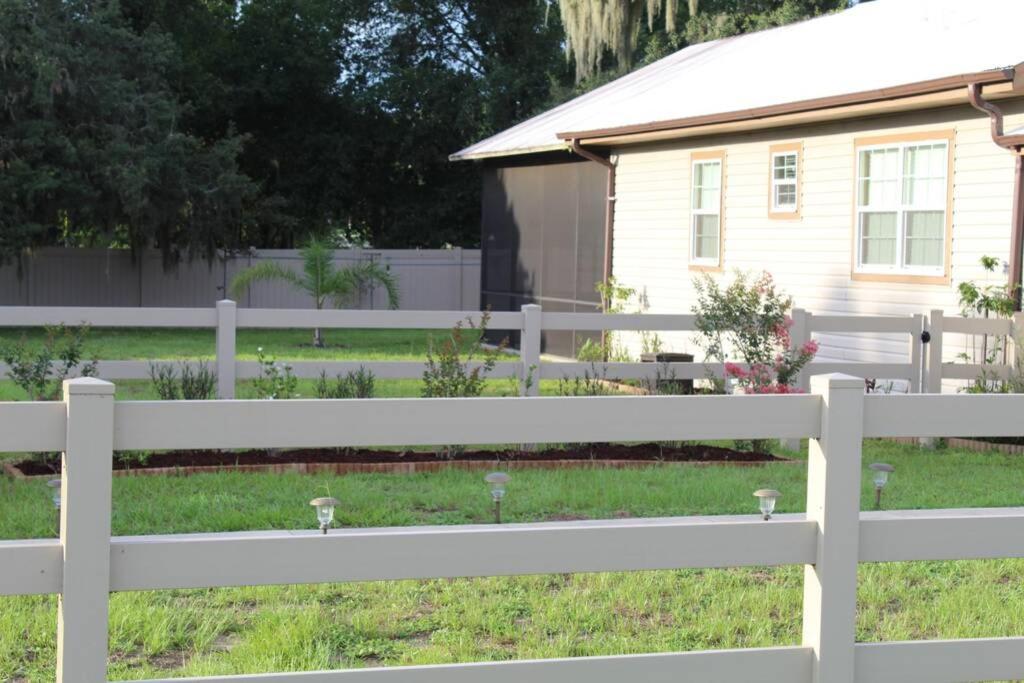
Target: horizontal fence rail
148 425
790 664
33 316
86 563
530 323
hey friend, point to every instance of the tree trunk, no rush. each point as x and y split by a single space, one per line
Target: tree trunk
318 338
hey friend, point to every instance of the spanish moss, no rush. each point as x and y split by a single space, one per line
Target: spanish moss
594 26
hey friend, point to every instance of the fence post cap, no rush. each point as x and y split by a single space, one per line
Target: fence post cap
226 302
530 306
88 386
835 380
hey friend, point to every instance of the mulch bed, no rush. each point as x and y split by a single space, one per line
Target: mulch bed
369 460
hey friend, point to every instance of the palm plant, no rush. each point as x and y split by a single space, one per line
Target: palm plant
321 279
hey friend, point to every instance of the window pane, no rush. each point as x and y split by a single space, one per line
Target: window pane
708 198
705 237
878 238
924 175
785 195
784 166
878 173
707 173
707 181
925 238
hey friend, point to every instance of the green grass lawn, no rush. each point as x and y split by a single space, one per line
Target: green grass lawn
295 344
268 629
198 344
180 343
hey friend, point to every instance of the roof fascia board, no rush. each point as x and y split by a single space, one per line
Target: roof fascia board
820 104
930 101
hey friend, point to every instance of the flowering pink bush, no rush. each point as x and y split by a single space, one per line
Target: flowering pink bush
779 376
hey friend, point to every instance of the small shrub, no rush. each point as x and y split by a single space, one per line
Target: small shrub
742 320
41 372
275 381
130 459
989 301
590 352
617 298
198 384
666 383
592 383
749 320
451 370
359 383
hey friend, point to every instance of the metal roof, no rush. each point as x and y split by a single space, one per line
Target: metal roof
873 46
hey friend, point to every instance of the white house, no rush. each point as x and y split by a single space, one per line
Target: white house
848 155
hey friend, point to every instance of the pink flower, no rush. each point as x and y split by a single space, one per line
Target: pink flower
809 348
733 370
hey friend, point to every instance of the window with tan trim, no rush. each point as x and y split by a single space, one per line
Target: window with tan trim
784 181
706 209
902 208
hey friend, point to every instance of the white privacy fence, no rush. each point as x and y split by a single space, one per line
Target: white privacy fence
428 279
85 564
925 365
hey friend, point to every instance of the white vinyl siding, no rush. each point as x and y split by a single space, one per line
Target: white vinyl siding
812 259
901 207
706 212
784 181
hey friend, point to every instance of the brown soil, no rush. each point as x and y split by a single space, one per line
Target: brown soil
584 452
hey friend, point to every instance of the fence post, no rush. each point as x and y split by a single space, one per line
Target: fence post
529 351
86 464
1016 339
933 378
804 326
460 265
227 316
833 502
916 353
799 334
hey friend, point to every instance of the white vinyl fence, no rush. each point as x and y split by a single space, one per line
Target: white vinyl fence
923 367
86 564
1008 333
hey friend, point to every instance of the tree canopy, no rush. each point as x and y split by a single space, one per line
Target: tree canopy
197 125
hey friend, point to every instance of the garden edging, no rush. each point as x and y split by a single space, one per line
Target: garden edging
402 467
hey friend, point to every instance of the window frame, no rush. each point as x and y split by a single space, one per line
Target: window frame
785 212
696 263
900 272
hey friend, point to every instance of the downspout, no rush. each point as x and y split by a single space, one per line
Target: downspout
609 216
974 94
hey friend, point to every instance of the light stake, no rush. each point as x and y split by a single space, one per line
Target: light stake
881 477
497 482
767 498
54 486
324 511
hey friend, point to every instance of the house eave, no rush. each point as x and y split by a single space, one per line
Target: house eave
853 104
537 149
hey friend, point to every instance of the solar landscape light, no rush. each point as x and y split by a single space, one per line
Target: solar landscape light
324 511
497 482
881 477
767 498
54 486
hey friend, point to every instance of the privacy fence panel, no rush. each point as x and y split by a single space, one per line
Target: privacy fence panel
430 279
